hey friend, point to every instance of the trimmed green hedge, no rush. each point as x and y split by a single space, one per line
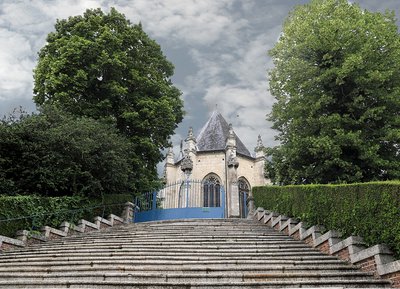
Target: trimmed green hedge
33 212
370 210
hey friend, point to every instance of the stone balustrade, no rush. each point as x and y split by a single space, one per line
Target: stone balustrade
25 238
377 259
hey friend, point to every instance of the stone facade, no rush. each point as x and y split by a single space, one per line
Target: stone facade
218 152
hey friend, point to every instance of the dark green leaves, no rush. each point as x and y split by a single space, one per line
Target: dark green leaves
337 85
101 66
56 154
370 210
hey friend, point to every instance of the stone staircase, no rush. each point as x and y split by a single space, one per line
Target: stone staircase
207 253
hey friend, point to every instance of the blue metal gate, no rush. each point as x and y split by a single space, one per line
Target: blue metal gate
182 200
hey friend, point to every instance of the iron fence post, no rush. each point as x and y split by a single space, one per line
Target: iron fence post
154 201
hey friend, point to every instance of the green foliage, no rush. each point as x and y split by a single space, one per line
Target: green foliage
40 210
336 82
370 210
32 212
56 154
100 65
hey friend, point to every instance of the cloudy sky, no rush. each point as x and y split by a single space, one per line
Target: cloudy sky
219 49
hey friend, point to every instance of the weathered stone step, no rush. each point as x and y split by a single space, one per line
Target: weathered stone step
187 285
176 242
176 237
172 262
196 233
188 277
199 226
114 252
180 252
167 268
182 248
121 256
210 242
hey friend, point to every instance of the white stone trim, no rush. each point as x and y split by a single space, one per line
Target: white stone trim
353 243
314 231
113 218
331 236
84 223
46 231
11 241
388 268
301 227
98 220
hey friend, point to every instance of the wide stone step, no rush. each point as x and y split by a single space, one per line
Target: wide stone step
100 255
138 262
188 248
182 269
131 253
169 244
196 233
179 254
124 284
226 276
166 243
177 237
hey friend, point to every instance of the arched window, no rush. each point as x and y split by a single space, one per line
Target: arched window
211 191
244 189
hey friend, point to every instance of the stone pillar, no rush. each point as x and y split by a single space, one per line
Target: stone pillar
128 213
232 164
233 188
169 167
191 142
251 208
187 167
259 164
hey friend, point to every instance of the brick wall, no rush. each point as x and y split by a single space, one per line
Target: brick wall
395 278
324 247
343 254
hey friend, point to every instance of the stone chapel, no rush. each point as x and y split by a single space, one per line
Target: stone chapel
218 157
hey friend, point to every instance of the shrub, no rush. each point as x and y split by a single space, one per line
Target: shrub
33 212
370 210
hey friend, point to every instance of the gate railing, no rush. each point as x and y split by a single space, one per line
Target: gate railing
182 194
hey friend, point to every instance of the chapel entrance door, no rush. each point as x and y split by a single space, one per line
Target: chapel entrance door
244 189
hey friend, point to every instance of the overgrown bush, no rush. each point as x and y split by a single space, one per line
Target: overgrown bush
33 212
56 154
370 210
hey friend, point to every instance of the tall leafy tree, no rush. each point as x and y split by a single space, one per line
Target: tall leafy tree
336 80
100 65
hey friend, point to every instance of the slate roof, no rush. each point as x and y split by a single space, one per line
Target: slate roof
214 133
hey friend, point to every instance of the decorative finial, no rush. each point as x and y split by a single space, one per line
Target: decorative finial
231 133
232 161
187 163
260 145
190 134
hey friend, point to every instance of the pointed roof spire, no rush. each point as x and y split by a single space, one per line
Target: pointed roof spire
214 133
